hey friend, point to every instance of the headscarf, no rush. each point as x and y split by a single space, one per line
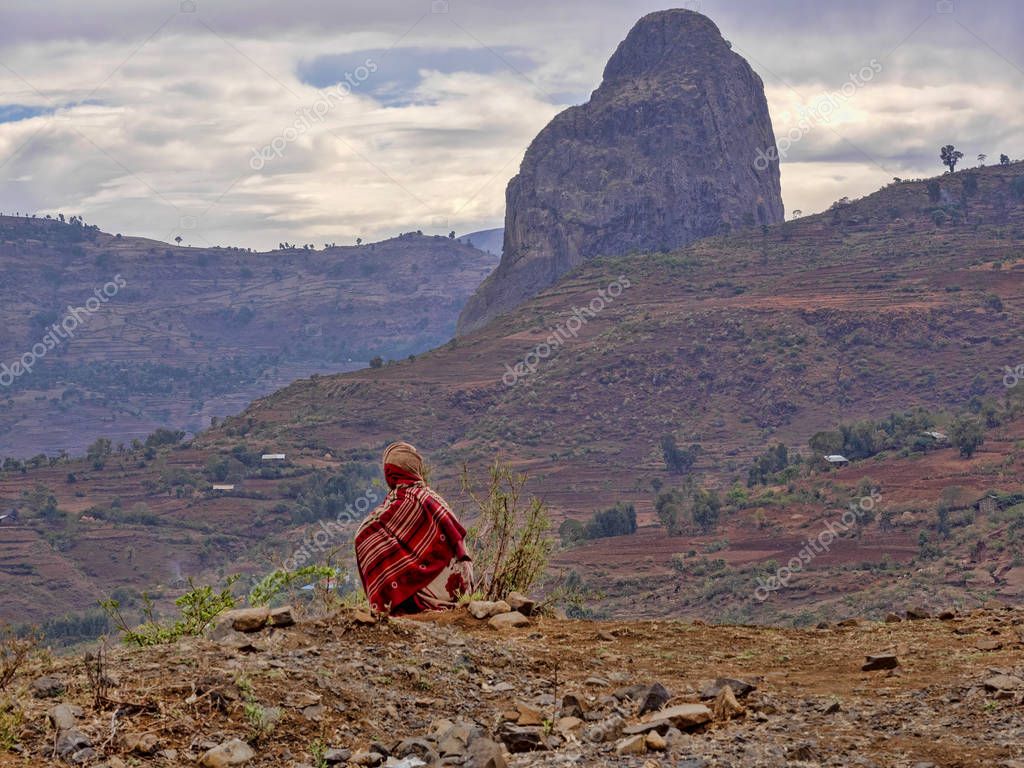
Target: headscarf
403 465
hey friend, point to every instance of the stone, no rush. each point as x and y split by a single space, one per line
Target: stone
917 613
947 616
1004 683
302 699
726 707
880 661
47 687
655 742
711 688
142 744
653 726
607 730
71 741
520 602
528 715
484 753
682 716
608 178
370 759
364 617
234 752
64 716
521 739
631 745
567 725
282 617
572 706
83 756
417 748
484 609
508 620
655 698
893 618
596 682
246 619
336 756
988 644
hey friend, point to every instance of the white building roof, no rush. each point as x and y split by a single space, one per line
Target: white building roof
835 458
273 456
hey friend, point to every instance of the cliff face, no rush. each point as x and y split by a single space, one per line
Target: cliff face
662 154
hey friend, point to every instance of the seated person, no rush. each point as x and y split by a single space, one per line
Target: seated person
411 549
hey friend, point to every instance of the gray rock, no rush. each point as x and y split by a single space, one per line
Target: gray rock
522 739
710 689
71 741
655 698
509 620
370 759
607 177
336 756
607 730
64 716
47 687
281 617
234 752
880 661
522 603
484 609
484 753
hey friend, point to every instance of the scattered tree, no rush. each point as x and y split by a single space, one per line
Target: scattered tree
966 434
950 156
981 159
1004 159
177 239
678 460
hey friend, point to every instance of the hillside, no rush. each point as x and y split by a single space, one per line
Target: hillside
186 334
340 689
734 343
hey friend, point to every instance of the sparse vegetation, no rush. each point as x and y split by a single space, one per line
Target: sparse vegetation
510 544
199 607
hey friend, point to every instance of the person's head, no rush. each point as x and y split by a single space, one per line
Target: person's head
402 465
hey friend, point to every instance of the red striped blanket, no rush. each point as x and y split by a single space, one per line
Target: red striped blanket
406 543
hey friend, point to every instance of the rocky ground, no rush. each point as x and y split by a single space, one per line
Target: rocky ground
453 689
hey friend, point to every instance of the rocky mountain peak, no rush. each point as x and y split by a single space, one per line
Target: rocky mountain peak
662 154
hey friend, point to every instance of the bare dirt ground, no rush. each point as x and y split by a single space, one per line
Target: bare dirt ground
358 687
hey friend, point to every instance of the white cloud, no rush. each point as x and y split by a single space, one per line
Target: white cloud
150 129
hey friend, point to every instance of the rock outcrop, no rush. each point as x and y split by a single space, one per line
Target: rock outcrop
665 152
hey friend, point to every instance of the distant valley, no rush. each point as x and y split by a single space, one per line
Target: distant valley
193 334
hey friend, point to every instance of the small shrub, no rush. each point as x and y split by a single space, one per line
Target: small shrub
200 606
511 545
15 651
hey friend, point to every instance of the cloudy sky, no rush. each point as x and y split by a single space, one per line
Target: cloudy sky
248 122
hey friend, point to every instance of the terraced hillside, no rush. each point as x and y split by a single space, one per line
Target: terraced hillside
735 343
766 335
178 335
